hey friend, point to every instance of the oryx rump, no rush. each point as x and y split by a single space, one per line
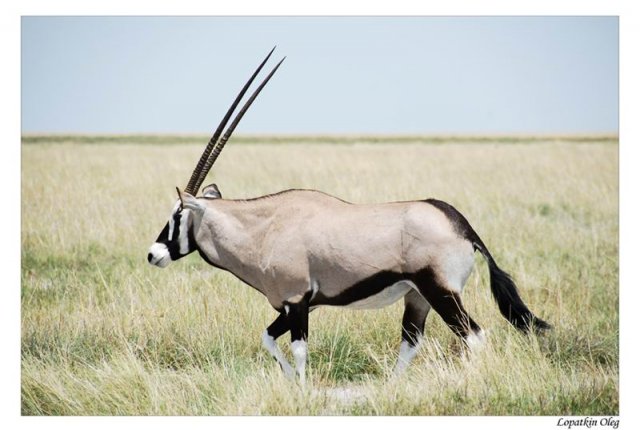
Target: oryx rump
303 249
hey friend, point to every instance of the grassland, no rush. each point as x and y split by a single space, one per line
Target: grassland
105 333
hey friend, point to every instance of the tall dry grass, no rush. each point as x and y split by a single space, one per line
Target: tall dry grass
105 333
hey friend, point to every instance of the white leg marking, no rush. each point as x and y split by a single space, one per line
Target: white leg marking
270 345
475 341
407 352
299 350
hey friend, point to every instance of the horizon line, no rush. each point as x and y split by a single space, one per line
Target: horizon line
350 135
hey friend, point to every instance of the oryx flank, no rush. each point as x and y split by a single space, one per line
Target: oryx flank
303 249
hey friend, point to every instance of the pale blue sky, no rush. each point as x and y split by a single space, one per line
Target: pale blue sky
342 75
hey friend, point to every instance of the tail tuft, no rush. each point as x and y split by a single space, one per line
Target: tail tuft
509 302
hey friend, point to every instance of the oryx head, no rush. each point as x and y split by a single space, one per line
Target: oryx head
177 238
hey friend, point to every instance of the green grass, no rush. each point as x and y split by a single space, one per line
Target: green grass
104 333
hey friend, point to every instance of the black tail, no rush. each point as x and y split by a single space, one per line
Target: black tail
506 295
502 286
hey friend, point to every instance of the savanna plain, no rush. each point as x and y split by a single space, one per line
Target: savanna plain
105 333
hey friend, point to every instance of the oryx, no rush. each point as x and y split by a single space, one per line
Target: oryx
303 249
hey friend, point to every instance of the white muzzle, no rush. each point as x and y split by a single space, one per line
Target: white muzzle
159 255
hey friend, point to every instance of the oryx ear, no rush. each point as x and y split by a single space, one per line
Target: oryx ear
211 192
187 201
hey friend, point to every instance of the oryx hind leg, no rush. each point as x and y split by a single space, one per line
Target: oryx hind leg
277 328
416 309
445 300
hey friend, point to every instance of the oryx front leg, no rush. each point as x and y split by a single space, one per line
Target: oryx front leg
277 328
298 317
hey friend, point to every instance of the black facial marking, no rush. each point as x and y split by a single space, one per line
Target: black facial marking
173 243
163 237
176 226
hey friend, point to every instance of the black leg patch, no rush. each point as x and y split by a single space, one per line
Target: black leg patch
412 326
279 327
298 317
446 303
416 310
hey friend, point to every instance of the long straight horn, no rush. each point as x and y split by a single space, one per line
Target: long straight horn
194 185
233 125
